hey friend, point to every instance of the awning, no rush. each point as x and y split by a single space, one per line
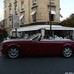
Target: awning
61 28
53 12
47 27
21 17
33 13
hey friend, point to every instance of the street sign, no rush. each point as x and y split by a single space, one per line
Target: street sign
15 21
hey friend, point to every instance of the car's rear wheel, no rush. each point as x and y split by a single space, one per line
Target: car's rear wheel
13 52
67 52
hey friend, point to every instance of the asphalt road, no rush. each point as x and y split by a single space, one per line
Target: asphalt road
37 65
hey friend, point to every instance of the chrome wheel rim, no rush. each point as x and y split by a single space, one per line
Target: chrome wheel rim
67 52
13 52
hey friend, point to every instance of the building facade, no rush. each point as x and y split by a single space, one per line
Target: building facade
30 12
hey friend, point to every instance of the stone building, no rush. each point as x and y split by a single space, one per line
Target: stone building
30 12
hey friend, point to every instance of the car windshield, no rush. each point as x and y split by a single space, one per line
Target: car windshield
34 37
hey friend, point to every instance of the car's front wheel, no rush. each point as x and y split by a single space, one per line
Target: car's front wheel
13 52
67 52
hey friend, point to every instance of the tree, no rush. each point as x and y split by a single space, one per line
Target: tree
69 21
3 34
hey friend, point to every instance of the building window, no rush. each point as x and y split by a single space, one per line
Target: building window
52 2
22 18
52 15
10 23
5 15
10 10
22 5
15 7
33 2
5 3
33 14
5 21
34 17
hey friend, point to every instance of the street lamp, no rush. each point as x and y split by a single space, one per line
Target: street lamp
51 17
50 20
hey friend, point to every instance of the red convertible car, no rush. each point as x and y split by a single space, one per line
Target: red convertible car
36 46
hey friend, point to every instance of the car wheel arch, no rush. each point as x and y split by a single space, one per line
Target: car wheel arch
13 45
68 45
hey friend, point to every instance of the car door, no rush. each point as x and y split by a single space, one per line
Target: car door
27 47
48 47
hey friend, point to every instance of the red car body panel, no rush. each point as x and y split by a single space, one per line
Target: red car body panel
30 47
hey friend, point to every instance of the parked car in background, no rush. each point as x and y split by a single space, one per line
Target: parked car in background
36 46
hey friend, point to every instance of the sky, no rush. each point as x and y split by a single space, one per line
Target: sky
67 8
1 10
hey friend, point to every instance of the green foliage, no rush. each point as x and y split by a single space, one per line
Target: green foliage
69 21
3 34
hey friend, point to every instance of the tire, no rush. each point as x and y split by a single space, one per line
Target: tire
13 52
67 52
